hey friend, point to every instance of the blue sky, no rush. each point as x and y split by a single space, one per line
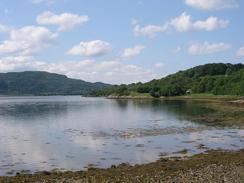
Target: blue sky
119 41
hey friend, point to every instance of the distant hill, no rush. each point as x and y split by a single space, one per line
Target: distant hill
215 78
44 83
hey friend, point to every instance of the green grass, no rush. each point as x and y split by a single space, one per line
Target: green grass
210 96
136 94
202 95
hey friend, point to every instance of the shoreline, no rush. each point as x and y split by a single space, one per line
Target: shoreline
223 98
213 166
130 97
180 96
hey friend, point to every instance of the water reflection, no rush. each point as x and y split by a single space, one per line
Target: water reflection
45 133
181 108
32 110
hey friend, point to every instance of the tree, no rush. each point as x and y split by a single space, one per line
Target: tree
123 91
3 86
155 92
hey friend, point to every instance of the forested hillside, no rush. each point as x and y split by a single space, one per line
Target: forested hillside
44 83
216 78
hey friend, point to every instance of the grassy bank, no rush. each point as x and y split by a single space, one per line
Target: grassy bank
199 96
131 95
215 166
208 97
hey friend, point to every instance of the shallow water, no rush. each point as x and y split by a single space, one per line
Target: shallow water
73 133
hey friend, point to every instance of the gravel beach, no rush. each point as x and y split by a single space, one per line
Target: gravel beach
213 166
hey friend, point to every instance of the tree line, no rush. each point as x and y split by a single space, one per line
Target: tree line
215 78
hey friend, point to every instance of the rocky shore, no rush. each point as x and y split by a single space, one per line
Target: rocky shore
214 166
241 101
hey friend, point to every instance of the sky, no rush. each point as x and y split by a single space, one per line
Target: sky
122 41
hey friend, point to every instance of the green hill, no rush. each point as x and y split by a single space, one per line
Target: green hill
44 83
216 78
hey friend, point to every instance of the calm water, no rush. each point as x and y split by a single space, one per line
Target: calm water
73 133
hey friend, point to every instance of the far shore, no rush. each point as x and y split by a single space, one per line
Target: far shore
229 98
130 97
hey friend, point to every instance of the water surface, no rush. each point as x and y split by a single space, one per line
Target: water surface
73 133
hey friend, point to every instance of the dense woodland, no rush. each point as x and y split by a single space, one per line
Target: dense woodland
216 78
44 83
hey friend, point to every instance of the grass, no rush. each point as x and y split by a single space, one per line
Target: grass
136 94
242 177
132 95
210 96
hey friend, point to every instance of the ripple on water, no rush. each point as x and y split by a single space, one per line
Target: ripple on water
61 134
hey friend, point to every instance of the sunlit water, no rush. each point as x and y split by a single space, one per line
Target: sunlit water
73 133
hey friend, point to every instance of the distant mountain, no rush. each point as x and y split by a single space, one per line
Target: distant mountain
215 78
44 83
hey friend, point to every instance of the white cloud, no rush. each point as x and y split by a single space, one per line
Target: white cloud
212 4
65 21
207 48
18 63
4 28
159 65
240 52
114 72
91 48
27 40
131 52
106 71
184 23
149 30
